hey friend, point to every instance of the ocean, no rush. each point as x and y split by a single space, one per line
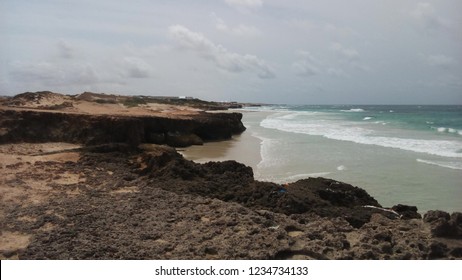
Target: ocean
399 154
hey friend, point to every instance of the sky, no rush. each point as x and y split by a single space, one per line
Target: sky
271 51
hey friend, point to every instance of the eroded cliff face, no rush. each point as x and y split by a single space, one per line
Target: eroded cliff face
37 126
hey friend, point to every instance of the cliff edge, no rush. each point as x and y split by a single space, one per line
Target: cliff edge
76 183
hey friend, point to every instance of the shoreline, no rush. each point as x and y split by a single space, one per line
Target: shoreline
244 148
286 157
129 201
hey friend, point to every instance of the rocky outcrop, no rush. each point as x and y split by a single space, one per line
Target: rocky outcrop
153 204
117 199
233 182
44 126
443 224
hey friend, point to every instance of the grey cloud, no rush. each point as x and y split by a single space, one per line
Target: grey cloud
49 74
304 24
336 72
44 72
425 16
307 65
239 30
224 59
244 4
126 47
245 30
65 50
340 31
86 75
440 60
346 54
136 68
349 57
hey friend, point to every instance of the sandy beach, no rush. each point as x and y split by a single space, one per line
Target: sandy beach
96 186
244 148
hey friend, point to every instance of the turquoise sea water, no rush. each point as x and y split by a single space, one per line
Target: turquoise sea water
399 154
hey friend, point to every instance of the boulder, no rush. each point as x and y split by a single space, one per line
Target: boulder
444 225
407 212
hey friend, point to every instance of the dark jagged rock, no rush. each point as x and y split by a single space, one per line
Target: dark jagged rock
444 225
407 212
42 126
123 200
151 203
232 181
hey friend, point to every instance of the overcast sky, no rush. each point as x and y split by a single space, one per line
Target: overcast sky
294 51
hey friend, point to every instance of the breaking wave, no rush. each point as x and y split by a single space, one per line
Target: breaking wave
448 130
354 110
353 132
446 164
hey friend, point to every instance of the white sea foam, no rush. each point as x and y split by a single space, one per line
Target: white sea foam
264 109
306 175
354 110
448 130
353 132
367 118
446 164
341 168
267 147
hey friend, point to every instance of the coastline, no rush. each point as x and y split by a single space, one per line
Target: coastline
243 148
135 200
392 176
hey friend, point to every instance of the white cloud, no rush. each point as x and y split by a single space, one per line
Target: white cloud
239 30
224 59
307 65
349 57
245 30
245 4
219 23
425 16
346 54
440 60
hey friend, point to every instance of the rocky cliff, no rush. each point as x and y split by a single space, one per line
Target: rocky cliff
115 194
44 126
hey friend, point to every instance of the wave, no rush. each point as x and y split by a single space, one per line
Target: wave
341 168
448 130
367 118
381 122
265 108
353 132
297 177
354 110
446 164
268 145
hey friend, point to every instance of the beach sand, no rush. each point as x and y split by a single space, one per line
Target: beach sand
244 148
62 201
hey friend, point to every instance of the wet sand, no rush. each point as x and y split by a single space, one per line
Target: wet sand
244 148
